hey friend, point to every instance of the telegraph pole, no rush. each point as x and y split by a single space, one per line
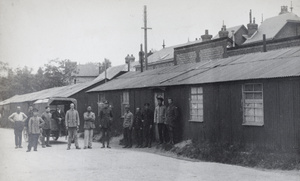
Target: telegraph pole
145 38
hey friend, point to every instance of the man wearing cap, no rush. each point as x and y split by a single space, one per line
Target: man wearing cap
147 119
171 117
127 127
89 125
72 125
18 118
159 119
105 123
47 117
35 123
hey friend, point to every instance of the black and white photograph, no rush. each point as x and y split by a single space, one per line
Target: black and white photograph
150 90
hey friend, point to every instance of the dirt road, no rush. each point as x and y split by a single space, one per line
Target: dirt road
56 163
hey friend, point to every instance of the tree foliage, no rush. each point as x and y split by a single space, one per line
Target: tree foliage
22 80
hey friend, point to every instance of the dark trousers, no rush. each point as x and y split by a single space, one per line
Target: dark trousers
18 137
161 132
139 136
148 135
171 133
33 141
46 134
127 136
105 136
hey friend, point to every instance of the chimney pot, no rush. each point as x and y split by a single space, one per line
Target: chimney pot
206 36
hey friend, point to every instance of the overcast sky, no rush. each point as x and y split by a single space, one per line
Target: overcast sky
32 32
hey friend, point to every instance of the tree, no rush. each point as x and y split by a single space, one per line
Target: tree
102 65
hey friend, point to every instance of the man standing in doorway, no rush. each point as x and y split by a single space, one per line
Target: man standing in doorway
89 125
18 118
127 126
147 119
59 117
72 125
105 123
171 117
47 117
159 119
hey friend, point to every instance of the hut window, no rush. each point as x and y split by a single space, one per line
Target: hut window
124 101
196 104
253 109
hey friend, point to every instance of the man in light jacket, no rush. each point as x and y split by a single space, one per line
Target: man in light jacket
89 125
72 125
160 118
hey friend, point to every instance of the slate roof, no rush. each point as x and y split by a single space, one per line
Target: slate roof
235 28
272 64
271 27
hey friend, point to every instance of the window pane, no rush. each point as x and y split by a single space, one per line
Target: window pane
200 97
200 112
194 97
259 112
249 112
249 95
249 87
249 119
194 90
257 95
257 87
259 119
200 91
194 106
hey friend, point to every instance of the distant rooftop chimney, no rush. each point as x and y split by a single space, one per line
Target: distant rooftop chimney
252 27
163 44
284 9
291 6
206 36
223 33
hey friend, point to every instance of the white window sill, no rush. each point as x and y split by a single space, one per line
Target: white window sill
195 121
253 124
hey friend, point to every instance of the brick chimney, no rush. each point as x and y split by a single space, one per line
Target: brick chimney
252 27
284 9
206 36
223 33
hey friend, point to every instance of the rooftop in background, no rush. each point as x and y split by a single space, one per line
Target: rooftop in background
87 70
272 26
263 65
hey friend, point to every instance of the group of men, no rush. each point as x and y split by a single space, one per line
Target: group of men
143 123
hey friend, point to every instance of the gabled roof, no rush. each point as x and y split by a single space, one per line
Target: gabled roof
87 70
271 26
166 54
272 64
112 72
235 28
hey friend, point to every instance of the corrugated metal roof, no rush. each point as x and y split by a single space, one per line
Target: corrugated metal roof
272 64
271 26
112 72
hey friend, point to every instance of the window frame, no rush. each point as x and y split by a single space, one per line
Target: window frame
255 101
123 103
196 102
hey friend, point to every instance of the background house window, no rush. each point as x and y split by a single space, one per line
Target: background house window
253 104
124 101
196 104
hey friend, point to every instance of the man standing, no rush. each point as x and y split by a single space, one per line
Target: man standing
105 123
159 119
72 125
34 125
18 118
59 117
147 119
138 128
171 117
46 116
127 126
89 125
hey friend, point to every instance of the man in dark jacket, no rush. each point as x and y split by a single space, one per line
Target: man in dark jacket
59 117
138 128
148 121
105 123
171 117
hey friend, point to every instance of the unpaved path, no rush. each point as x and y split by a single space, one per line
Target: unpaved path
58 164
